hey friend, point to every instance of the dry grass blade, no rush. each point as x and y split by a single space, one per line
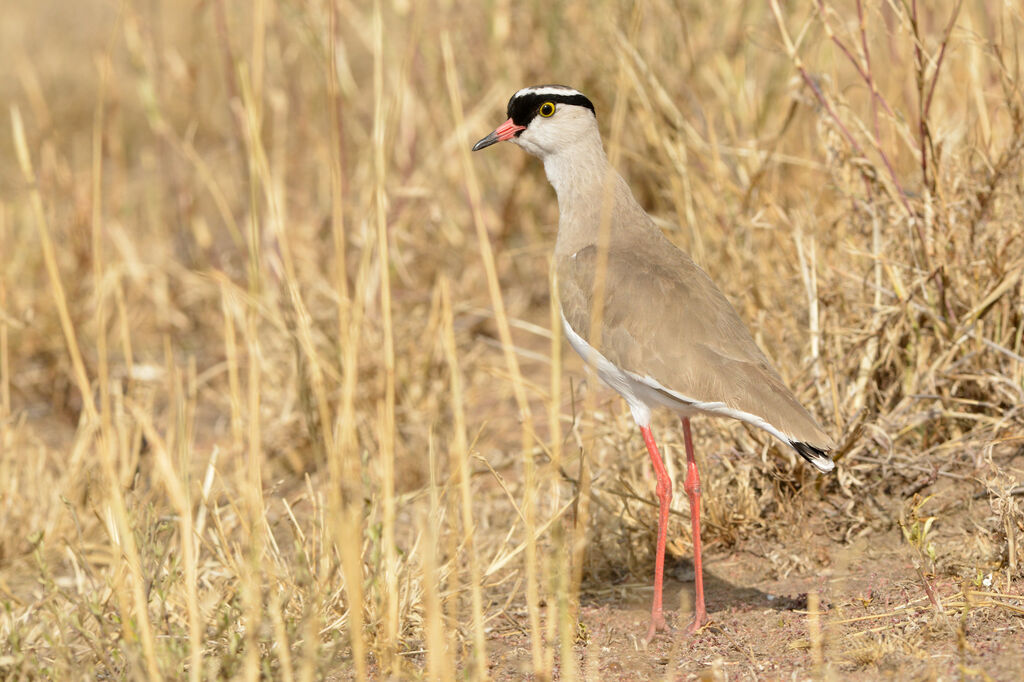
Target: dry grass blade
460 463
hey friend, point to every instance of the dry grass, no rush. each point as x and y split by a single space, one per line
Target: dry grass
273 345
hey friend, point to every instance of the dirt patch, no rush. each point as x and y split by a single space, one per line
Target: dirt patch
876 621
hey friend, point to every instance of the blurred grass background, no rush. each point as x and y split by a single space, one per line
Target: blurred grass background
279 395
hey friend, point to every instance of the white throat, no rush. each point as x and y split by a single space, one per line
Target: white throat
578 171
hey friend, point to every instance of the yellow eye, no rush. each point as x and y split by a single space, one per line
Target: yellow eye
547 109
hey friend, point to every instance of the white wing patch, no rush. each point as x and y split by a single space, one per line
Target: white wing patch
611 375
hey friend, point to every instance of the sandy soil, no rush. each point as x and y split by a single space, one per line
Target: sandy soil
877 623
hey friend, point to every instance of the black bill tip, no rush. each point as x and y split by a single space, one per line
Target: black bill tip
487 141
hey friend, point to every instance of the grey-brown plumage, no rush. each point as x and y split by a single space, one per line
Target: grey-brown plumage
664 319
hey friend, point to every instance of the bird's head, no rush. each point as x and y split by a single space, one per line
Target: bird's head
544 120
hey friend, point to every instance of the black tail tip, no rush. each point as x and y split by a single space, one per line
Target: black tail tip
819 457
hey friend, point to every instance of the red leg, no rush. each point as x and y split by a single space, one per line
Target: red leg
664 491
692 487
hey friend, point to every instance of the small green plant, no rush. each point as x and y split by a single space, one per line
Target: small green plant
916 528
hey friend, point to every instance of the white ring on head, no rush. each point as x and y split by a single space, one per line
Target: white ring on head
548 90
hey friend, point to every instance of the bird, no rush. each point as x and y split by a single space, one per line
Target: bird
654 327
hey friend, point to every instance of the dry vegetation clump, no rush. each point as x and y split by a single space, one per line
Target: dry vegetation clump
279 395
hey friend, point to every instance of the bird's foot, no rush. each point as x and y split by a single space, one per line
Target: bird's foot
700 619
658 624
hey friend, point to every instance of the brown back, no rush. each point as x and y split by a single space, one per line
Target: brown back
665 319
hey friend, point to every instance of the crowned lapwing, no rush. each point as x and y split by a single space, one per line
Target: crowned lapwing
666 336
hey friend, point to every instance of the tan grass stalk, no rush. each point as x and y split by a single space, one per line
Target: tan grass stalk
251 572
337 165
555 396
209 180
556 571
582 516
346 474
50 259
814 634
124 326
5 352
679 643
177 491
96 219
281 644
568 615
505 335
231 356
249 577
387 410
257 63
311 629
460 462
551 564
438 657
809 274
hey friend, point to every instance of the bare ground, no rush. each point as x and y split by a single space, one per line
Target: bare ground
877 622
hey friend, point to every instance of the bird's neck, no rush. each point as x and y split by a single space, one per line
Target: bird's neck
577 171
589 190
